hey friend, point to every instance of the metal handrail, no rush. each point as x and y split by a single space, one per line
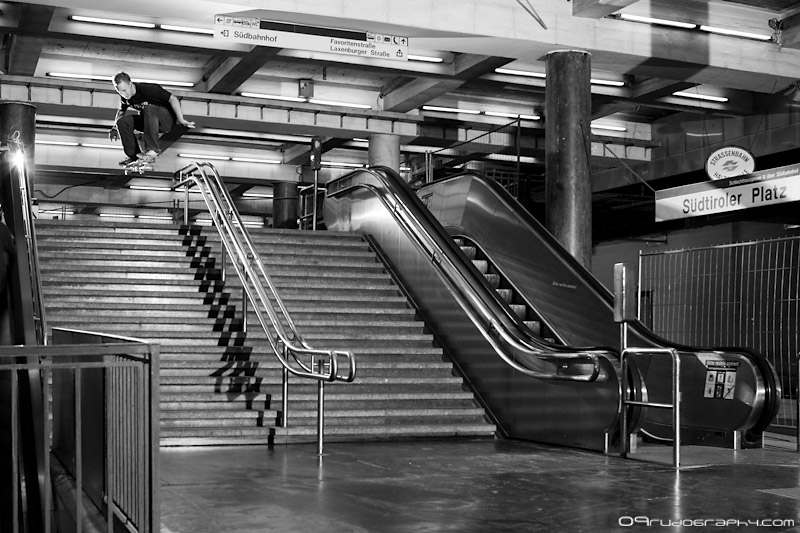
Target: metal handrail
474 306
254 277
675 405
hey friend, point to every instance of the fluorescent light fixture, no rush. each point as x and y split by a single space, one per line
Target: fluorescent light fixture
273 97
206 156
610 83
359 139
736 33
148 188
58 143
697 96
338 104
109 146
450 110
186 29
343 165
651 20
515 72
57 212
689 134
254 160
427 59
113 22
117 215
511 115
155 217
608 127
94 77
165 82
256 195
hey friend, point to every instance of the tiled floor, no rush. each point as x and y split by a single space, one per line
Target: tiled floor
480 486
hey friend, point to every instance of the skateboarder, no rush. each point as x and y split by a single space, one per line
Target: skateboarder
159 111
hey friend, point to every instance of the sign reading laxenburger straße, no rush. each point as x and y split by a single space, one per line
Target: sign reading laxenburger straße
256 31
759 189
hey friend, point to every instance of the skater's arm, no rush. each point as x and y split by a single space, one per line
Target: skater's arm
176 107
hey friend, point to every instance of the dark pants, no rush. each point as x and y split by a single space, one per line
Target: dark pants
152 121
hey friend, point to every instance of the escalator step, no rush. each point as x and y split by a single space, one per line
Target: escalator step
493 279
470 251
519 309
535 326
505 294
482 265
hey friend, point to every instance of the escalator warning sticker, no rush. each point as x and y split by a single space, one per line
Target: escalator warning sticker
720 379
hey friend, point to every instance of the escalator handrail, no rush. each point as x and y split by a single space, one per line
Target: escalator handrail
764 366
240 247
425 233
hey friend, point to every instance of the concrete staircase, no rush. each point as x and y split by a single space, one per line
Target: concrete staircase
221 385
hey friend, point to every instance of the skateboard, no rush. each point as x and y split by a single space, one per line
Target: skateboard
165 141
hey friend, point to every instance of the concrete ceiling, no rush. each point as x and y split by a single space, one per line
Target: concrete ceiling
473 38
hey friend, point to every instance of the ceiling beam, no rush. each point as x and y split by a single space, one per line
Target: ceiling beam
598 8
789 32
26 49
229 75
403 97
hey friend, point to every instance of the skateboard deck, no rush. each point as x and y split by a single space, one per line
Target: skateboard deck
165 141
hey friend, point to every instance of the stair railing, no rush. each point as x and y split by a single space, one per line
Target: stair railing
287 344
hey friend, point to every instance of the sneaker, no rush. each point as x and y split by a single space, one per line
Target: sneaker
128 161
149 155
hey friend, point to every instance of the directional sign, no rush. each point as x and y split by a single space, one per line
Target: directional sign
249 30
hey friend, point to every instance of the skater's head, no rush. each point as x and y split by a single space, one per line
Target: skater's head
124 86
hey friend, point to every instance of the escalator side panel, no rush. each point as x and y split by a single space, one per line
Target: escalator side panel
564 413
556 290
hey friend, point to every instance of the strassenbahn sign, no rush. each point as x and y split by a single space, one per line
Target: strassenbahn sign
763 188
255 31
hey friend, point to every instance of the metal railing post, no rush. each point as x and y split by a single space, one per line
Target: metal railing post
244 310
675 405
186 205
320 406
316 195
285 399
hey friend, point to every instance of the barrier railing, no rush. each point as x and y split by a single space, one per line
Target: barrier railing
675 405
100 422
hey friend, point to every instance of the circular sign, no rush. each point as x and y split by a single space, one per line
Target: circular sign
729 162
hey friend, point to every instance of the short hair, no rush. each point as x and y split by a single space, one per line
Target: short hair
120 77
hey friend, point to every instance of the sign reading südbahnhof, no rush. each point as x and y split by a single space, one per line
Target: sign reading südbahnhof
762 188
256 31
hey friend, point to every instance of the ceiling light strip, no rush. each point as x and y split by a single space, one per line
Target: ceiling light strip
653 20
186 29
736 33
426 59
113 22
698 96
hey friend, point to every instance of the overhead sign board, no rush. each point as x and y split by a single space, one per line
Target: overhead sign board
759 189
255 31
729 162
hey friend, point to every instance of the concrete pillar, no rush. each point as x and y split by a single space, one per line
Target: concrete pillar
285 204
384 151
568 187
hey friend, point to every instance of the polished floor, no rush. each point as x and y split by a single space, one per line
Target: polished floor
464 486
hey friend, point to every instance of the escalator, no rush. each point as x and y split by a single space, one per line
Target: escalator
553 302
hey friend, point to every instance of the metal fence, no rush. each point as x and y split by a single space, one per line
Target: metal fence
743 294
99 426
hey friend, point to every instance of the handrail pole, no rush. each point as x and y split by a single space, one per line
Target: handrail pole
320 406
676 409
186 205
316 196
285 399
244 310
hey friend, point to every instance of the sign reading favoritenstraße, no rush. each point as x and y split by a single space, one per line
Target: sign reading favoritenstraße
255 31
763 188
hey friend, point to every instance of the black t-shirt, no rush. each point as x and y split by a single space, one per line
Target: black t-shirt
147 93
